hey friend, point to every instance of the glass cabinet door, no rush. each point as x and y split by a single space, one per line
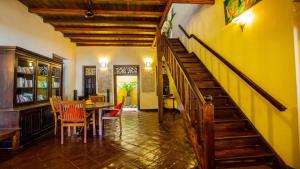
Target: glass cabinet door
25 80
42 82
56 82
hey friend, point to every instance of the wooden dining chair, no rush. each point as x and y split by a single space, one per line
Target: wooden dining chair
114 114
99 98
54 102
73 113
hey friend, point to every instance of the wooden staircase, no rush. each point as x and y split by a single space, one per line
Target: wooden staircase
236 142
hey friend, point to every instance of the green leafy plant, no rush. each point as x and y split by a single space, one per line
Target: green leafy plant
169 24
128 86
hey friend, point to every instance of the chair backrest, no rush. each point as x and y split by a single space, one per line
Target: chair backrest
54 102
73 111
100 98
119 108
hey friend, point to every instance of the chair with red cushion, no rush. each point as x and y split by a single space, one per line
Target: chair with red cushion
73 113
114 114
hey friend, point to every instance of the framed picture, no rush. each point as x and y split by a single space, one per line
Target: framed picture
234 8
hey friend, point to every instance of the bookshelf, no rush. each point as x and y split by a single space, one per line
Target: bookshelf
27 82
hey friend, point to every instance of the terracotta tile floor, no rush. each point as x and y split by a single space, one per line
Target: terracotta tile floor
144 144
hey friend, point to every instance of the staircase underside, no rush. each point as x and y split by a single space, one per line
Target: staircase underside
237 143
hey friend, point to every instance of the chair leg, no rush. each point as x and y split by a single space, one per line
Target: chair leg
94 123
120 120
55 126
69 131
62 134
74 130
85 132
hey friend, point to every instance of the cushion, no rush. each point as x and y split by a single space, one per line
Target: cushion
115 112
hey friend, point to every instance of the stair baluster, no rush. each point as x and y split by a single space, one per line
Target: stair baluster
198 113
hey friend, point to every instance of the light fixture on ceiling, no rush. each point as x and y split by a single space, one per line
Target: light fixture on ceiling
89 13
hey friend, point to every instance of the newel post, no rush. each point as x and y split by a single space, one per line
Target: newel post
159 48
208 120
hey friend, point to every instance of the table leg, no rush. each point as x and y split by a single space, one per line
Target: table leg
100 122
94 122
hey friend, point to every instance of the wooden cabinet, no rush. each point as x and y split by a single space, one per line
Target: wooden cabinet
27 82
34 122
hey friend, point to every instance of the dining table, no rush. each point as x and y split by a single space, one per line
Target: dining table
98 106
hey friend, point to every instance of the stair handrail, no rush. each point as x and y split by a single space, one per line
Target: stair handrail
205 148
190 81
250 82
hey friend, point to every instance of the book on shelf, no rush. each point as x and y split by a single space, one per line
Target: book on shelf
25 97
23 82
25 70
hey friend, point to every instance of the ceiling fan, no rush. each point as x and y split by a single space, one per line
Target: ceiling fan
89 13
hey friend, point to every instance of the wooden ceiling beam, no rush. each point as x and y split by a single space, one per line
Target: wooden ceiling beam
132 45
195 1
112 41
104 30
97 36
108 38
105 13
138 2
67 22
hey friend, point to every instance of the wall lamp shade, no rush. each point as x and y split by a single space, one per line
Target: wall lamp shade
244 19
103 63
148 62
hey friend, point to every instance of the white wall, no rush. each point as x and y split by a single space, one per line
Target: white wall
20 28
117 56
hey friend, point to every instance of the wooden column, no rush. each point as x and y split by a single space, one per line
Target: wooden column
159 76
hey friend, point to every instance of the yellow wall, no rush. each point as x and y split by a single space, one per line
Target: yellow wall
122 92
265 53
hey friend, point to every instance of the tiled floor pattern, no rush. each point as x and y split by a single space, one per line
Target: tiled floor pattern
143 144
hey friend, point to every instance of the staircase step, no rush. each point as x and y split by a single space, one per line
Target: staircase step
245 156
222 101
235 134
213 91
237 125
193 65
240 141
207 83
186 55
201 77
252 167
189 60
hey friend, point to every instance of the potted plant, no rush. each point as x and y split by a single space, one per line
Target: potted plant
169 24
128 86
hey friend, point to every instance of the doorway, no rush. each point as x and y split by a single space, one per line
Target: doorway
127 84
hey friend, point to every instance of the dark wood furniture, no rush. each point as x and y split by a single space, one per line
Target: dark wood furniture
89 81
27 81
11 133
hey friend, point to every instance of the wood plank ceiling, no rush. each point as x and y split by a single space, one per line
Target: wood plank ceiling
114 22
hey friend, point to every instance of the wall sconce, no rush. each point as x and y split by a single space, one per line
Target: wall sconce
148 62
103 63
244 19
